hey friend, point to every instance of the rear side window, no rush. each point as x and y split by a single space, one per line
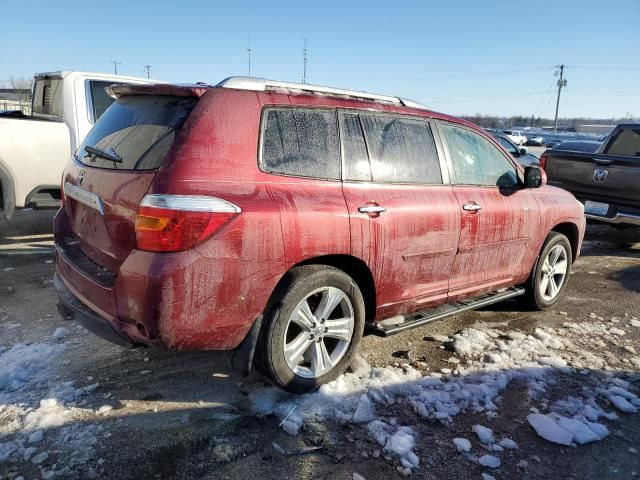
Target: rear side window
301 142
626 142
138 130
354 149
477 161
402 150
99 99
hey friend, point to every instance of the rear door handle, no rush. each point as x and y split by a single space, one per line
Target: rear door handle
471 207
372 210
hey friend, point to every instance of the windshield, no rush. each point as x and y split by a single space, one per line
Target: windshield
136 129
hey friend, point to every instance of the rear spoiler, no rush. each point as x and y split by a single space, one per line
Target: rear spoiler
186 90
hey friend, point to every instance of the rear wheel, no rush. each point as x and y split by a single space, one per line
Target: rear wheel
551 272
312 328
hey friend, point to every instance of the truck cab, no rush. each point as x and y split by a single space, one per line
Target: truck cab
35 148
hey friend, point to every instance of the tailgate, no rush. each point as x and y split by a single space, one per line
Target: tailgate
602 177
113 170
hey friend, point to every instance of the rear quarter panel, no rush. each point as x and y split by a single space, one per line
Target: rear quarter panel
212 294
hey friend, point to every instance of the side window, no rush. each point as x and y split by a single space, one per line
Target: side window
508 146
476 161
627 142
301 142
100 101
402 150
354 149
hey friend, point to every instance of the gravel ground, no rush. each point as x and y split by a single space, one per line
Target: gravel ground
153 414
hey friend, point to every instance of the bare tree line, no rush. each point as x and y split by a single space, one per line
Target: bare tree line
492 121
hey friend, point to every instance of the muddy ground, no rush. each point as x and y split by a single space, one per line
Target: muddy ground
186 415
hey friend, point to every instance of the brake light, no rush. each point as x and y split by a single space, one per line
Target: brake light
543 160
172 223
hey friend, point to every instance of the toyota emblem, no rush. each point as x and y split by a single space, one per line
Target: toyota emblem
81 177
600 175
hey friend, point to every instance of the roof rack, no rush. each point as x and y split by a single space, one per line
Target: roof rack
263 85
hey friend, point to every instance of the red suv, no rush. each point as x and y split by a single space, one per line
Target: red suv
284 218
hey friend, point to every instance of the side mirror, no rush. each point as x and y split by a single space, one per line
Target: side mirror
534 177
523 150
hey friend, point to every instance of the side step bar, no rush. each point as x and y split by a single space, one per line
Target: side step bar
406 322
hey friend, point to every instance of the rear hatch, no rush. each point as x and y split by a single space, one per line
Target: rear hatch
598 177
114 168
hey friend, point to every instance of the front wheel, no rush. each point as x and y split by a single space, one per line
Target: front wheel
551 272
312 328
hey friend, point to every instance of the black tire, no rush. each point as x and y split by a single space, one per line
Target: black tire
298 283
533 296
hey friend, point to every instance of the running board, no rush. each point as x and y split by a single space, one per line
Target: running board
406 322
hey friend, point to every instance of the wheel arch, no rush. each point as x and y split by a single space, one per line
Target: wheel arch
571 231
7 191
352 266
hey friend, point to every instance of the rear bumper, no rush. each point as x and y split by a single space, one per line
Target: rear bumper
618 218
616 214
70 306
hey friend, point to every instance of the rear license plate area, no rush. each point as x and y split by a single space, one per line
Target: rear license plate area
596 208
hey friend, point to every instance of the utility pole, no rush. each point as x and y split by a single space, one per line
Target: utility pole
562 82
249 54
304 62
115 66
147 69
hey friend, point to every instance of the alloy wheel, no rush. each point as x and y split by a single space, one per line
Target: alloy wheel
553 274
318 332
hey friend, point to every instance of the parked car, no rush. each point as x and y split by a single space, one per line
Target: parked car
519 153
35 148
516 136
535 141
285 217
606 180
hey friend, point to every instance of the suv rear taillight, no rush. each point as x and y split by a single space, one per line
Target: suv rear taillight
543 160
172 223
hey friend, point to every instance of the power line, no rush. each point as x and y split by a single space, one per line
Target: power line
601 67
498 97
147 70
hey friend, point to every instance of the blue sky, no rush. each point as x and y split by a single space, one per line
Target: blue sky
460 57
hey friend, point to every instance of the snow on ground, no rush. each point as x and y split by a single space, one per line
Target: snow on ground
38 409
490 361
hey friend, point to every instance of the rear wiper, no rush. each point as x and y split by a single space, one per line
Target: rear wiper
101 153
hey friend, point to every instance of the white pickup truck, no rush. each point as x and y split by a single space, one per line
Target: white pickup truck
35 149
516 136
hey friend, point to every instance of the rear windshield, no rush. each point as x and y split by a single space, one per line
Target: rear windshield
136 132
47 97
